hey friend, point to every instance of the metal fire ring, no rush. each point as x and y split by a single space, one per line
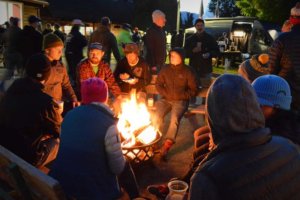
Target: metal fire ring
141 153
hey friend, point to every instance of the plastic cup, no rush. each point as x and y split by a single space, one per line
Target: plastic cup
177 190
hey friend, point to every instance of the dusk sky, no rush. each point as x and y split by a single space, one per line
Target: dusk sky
192 5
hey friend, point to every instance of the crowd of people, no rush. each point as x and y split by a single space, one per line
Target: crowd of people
248 149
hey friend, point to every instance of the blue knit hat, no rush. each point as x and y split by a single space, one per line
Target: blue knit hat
273 91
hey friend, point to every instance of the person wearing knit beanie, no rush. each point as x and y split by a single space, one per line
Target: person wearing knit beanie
274 96
273 91
94 90
176 83
38 67
254 67
52 40
132 71
58 84
131 48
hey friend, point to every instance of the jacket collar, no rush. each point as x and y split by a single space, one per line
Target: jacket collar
104 106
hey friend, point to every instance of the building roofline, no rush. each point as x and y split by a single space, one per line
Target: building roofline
40 2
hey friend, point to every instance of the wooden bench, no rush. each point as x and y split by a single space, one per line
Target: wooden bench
20 180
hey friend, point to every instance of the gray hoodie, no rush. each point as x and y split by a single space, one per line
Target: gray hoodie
232 107
247 162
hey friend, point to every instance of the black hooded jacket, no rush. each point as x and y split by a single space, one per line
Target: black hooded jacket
32 42
26 115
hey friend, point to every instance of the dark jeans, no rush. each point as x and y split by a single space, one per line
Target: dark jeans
177 109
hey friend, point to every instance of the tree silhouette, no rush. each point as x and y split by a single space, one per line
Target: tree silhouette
267 10
227 8
190 20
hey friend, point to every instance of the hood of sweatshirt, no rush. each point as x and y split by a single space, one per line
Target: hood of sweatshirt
232 108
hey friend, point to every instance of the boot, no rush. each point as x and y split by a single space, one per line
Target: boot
165 148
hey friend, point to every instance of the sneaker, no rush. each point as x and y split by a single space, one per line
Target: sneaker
160 191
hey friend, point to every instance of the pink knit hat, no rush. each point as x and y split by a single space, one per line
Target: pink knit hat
94 90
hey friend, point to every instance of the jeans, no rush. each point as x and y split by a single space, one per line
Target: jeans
177 109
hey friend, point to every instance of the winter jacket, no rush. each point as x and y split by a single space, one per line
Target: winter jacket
47 31
155 42
32 42
75 42
12 54
285 61
247 162
85 71
139 71
90 155
26 115
60 34
123 37
176 82
12 39
286 124
58 84
104 36
209 45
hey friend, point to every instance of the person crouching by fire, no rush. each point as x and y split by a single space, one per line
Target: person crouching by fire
29 118
90 157
176 83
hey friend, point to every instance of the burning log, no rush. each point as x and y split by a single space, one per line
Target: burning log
136 133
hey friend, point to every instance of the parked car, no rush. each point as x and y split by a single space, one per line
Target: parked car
244 34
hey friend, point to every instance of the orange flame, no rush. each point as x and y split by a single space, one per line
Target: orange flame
135 123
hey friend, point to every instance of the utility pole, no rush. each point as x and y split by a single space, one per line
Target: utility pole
217 11
178 16
201 13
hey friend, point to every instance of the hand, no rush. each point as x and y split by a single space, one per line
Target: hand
206 55
75 104
124 76
133 81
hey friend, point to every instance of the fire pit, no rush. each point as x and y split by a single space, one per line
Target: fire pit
141 152
137 131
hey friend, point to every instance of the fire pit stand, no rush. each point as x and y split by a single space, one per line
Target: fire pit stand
141 153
